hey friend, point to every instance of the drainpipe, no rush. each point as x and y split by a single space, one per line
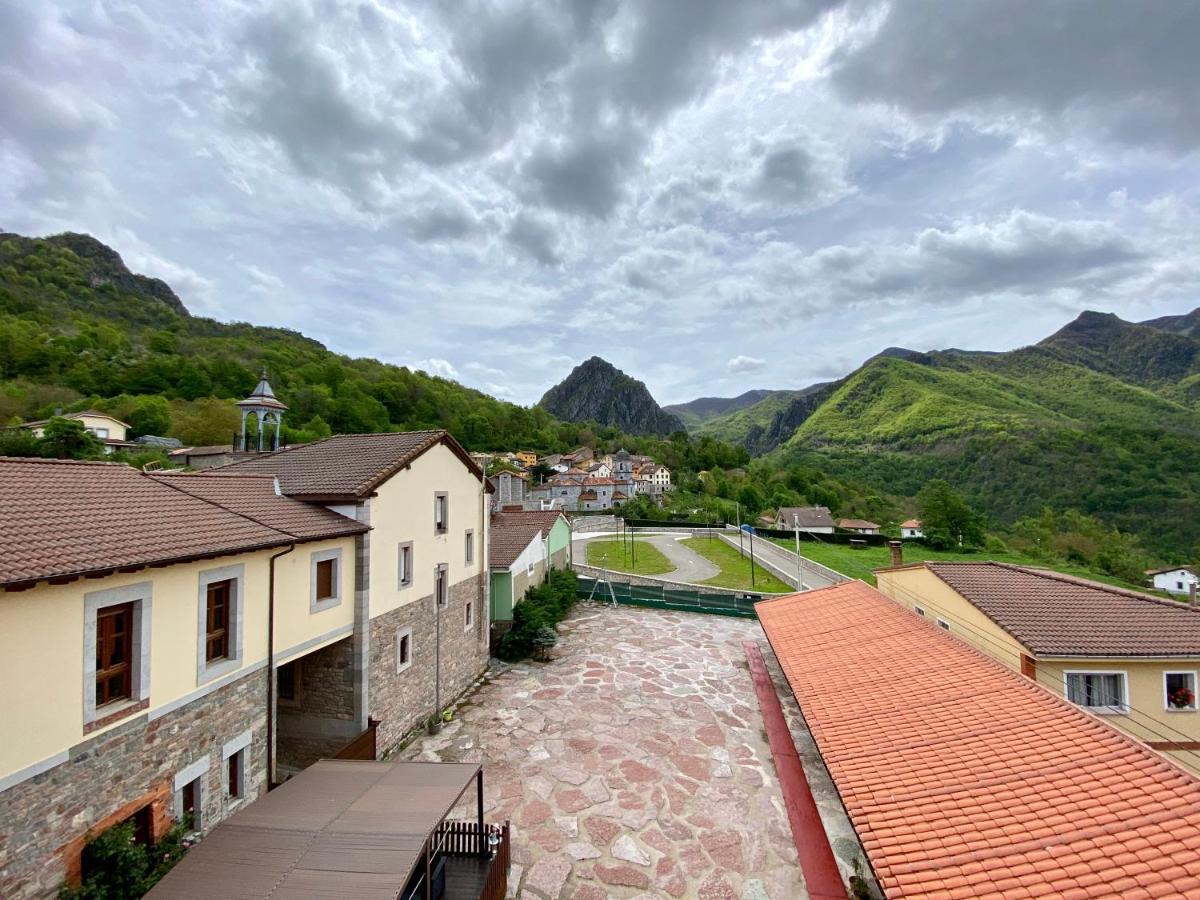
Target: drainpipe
271 666
485 587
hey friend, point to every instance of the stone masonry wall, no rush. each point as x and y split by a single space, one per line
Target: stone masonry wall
45 821
321 721
401 701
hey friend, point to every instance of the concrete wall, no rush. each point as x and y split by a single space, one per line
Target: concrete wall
1152 720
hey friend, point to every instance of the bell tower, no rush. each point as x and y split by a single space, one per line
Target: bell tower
266 410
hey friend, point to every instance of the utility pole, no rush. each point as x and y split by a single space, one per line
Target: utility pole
799 565
751 537
741 546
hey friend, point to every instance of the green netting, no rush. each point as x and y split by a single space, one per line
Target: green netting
661 597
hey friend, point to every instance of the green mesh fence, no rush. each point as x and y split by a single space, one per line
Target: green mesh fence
658 597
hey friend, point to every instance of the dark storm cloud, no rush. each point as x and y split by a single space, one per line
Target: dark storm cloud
1127 70
534 237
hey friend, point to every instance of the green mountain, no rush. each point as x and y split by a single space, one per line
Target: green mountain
78 329
696 412
597 391
1051 425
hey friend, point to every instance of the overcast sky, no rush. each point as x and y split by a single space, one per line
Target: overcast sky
712 195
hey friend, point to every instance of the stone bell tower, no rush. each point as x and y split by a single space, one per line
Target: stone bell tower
267 410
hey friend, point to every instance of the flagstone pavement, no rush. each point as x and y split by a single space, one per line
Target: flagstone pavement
634 764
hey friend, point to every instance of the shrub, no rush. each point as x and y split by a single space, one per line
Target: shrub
120 869
534 617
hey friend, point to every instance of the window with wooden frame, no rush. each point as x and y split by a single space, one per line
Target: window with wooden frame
326 579
114 654
217 630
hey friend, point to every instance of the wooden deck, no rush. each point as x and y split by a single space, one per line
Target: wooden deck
466 877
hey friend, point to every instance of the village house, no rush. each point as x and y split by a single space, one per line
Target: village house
508 488
146 619
858 526
1127 657
813 519
420 610
525 545
526 458
911 528
960 777
1174 579
112 432
599 470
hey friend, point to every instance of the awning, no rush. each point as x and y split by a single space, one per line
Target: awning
341 828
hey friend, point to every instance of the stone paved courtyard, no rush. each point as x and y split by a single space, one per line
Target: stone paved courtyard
632 765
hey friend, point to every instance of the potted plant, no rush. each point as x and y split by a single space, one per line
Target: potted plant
1182 698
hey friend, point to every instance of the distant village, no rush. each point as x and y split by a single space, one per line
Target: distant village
579 481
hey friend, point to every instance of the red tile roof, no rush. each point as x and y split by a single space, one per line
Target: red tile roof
346 466
911 523
856 523
63 519
965 779
512 531
1059 615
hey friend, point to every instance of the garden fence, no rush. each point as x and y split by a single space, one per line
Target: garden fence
661 597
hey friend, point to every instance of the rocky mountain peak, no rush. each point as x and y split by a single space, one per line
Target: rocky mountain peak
597 391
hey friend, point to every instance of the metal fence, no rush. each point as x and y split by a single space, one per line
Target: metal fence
661 597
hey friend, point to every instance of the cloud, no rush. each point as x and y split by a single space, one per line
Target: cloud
535 237
443 368
740 364
1126 72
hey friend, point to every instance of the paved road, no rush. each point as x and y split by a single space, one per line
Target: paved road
784 562
690 567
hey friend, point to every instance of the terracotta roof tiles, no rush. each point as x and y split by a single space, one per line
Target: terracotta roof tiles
512 531
345 465
63 519
965 779
1059 615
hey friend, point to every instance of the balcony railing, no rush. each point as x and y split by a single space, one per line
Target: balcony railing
465 864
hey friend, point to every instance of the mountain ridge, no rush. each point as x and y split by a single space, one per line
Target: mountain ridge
597 391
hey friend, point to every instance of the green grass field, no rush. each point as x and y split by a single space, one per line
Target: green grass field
735 568
860 563
617 556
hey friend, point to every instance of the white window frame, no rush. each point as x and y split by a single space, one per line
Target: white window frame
1122 710
919 610
206 671
404 574
1195 698
319 556
196 772
401 634
943 624
238 745
469 549
468 615
141 596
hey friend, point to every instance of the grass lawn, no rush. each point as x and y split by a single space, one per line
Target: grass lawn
617 556
735 568
860 563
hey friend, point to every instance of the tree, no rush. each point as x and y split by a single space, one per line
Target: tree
946 518
68 439
19 442
151 415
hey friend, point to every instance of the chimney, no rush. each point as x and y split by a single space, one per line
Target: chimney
897 548
1192 590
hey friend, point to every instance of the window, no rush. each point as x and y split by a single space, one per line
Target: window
404 649
468 615
190 796
190 792
235 775
101 433
216 633
1180 689
441 590
219 622
404 567
326 591
287 683
942 623
441 512
469 550
1097 691
114 652
918 610
234 782
1179 585
116 644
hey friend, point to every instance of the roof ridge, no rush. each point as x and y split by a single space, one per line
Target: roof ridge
52 460
222 506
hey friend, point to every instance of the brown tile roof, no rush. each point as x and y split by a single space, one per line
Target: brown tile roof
1165 569
911 523
856 523
1059 615
346 466
512 531
964 778
63 519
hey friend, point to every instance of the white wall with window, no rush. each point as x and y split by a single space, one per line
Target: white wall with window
1099 692
1179 691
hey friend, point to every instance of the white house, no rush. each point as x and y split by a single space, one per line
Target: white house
911 529
1175 580
112 432
599 470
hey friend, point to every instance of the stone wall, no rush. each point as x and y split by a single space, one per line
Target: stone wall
46 821
400 701
321 720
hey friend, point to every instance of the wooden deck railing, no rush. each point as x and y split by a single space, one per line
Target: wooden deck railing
459 838
363 746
